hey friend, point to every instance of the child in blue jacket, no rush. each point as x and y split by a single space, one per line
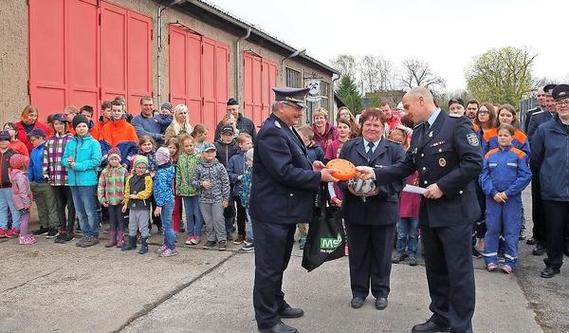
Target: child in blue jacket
164 196
505 174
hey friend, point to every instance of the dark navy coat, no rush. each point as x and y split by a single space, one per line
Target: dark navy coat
550 160
283 184
448 154
383 208
537 118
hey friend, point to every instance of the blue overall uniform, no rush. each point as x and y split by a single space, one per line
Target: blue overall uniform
505 170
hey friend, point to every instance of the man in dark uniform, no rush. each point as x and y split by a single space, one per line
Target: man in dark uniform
282 195
540 107
549 161
538 217
446 153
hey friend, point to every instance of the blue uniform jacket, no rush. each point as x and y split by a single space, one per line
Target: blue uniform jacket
505 170
315 153
383 208
35 169
236 168
550 159
448 154
537 118
283 184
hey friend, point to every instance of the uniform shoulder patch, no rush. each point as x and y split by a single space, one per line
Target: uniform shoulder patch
472 139
277 124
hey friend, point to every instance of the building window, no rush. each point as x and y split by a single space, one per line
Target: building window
325 95
293 78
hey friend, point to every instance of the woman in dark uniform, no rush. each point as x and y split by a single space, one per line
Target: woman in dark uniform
371 214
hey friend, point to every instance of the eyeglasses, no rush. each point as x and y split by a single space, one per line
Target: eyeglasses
563 102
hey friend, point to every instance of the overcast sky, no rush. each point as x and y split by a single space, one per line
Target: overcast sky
446 33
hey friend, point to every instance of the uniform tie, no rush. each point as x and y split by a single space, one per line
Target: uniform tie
370 146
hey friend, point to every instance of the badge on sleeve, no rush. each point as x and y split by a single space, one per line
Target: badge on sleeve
442 162
472 139
277 124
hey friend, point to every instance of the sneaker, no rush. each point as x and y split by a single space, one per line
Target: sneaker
239 240
161 249
491 267
91 241
41 231
12 233
190 240
2 233
222 245
52 233
196 240
248 247
209 245
507 269
69 237
397 258
60 239
412 261
81 241
27 240
168 253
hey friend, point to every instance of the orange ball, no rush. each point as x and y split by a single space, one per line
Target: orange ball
341 169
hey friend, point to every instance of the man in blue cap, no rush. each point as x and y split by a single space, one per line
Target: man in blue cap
282 194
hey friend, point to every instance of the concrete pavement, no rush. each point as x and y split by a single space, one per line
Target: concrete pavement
61 288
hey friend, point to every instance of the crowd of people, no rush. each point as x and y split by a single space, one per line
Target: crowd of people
140 171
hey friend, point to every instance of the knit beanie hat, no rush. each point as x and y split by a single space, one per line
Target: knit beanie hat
79 119
166 105
162 155
17 161
140 159
114 152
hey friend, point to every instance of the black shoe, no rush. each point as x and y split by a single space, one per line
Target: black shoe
549 272
41 231
566 250
60 239
357 302
130 244
143 246
290 312
429 327
412 261
381 303
531 241
539 250
209 245
279 328
52 233
398 258
476 253
222 245
522 235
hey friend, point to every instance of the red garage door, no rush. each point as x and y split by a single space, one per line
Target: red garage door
260 77
85 51
198 75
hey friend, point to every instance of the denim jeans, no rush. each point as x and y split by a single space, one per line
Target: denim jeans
249 227
166 219
7 206
407 232
85 202
194 219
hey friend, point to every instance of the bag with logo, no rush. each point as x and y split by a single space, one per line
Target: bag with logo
326 238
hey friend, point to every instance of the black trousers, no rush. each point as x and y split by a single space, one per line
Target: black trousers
64 201
371 247
557 219
537 211
241 217
450 275
273 246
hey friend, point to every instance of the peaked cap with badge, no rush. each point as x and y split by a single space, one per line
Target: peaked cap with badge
294 95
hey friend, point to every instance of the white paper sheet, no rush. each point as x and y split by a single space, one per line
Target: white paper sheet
414 189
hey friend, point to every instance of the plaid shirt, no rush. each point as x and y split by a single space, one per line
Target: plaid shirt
111 185
52 168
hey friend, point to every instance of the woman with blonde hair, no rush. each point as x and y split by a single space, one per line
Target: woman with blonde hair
180 123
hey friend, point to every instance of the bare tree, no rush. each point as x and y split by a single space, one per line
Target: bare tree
376 73
417 73
345 64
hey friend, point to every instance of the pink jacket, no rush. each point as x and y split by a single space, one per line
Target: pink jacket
21 192
330 134
409 202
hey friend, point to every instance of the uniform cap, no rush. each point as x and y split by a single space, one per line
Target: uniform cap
548 89
293 95
561 91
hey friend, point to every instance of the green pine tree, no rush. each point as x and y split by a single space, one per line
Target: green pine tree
349 94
